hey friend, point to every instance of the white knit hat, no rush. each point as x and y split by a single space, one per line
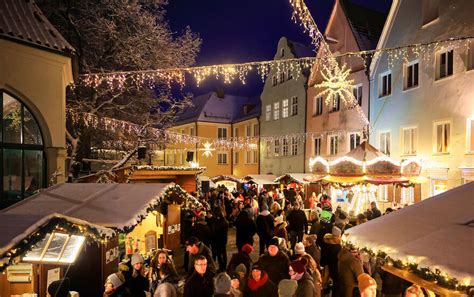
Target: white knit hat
137 258
299 248
278 220
115 280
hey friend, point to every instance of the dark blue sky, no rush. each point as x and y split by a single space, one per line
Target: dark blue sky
235 31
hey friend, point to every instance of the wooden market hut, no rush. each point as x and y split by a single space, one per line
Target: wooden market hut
230 181
429 243
303 180
266 181
130 209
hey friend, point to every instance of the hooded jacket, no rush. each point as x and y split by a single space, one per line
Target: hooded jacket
305 286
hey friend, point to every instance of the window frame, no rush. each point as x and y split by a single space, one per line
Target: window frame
333 144
358 92
276 111
285 147
219 134
415 82
439 67
435 136
385 91
294 146
349 137
268 113
385 148
470 135
276 147
336 103
317 152
412 139
294 106
285 108
319 101
220 158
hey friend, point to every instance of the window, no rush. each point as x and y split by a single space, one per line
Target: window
294 106
439 186
222 158
354 140
290 74
276 148
336 103
442 136
282 52
411 75
385 84
274 80
285 147
445 64
470 135
268 148
248 131
236 157
470 57
248 157
430 11
171 159
318 105
191 131
221 132
409 140
268 112
236 132
333 140
382 193
284 112
23 159
357 92
294 146
276 111
282 77
317 146
256 131
384 142
255 157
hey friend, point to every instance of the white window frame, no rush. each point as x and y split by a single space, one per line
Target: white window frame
382 139
268 112
276 111
470 135
191 131
256 131
358 91
410 68
222 158
282 77
435 136
336 103
276 147
285 147
446 66
318 104
385 91
333 143
412 142
351 145
294 146
220 134
284 111
382 193
317 146
294 106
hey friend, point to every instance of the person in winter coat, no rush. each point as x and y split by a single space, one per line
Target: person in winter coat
259 284
313 269
287 288
280 228
312 249
349 268
195 248
201 282
60 288
114 287
219 239
236 286
367 285
264 228
242 257
166 284
246 229
222 285
161 257
275 262
136 277
297 224
201 230
329 251
297 271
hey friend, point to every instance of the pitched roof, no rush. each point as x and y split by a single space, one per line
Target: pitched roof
229 109
366 24
300 50
22 21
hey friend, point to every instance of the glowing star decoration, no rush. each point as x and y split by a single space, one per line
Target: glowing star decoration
207 149
336 83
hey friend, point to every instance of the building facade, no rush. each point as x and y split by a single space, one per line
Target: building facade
36 67
283 113
218 116
336 126
423 106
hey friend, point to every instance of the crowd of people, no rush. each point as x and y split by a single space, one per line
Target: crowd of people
300 254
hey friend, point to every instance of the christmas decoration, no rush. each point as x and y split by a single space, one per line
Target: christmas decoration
336 84
207 150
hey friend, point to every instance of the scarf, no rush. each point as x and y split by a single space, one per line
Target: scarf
254 285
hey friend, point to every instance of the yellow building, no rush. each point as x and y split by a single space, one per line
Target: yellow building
217 116
35 63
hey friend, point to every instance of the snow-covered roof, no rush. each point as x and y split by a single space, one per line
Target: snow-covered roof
436 233
219 178
365 152
108 205
300 178
261 179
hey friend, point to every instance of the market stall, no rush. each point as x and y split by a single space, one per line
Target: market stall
364 175
266 181
429 243
301 182
229 181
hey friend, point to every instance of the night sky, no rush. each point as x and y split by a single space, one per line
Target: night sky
235 31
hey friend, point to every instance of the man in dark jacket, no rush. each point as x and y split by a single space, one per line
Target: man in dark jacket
246 229
275 262
201 229
219 238
298 225
264 228
375 211
196 248
201 282
242 257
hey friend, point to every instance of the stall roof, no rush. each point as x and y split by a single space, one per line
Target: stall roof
108 205
261 179
301 178
365 152
219 178
437 233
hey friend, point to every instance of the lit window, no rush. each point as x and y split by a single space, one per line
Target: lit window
317 147
384 143
333 142
276 111
282 77
191 131
294 146
409 140
294 106
221 132
385 84
470 135
236 132
357 92
56 247
276 148
354 140
318 105
248 156
442 137
222 158
439 186
285 147
445 64
268 112
284 113
411 75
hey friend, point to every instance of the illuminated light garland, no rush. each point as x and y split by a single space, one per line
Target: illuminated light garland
336 83
318 159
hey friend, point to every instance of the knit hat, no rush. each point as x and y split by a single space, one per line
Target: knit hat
241 268
287 288
59 288
299 248
274 241
234 275
115 280
137 258
222 283
365 281
247 248
278 220
299 266
336 232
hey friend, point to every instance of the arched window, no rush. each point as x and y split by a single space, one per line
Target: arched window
23 167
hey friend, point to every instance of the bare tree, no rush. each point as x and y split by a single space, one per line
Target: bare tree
119 35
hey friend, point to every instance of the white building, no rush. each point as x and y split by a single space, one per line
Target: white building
423 106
